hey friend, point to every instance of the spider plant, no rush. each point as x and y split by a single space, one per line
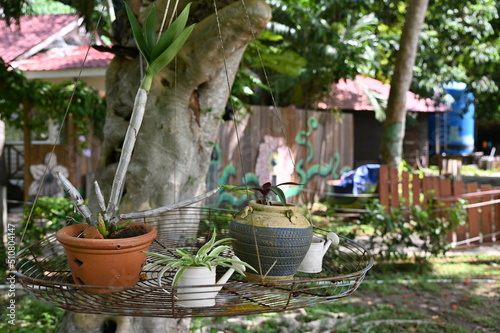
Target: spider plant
209 255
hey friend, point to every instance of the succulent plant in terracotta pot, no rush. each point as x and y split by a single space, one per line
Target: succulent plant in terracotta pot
106 265
107 232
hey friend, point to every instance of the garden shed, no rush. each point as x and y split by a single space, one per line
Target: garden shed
357 97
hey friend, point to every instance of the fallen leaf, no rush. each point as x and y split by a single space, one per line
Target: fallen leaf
92 233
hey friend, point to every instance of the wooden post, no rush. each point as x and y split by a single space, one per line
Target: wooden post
486 218
394 187
27 148
405 193
445 190
416 186
460 233
473 223
496 216
383 186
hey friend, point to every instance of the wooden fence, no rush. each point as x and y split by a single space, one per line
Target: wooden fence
482 202
284 144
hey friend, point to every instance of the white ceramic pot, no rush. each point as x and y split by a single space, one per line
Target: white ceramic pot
191 296
188 295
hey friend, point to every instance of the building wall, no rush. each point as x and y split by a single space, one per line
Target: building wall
367 138
302 146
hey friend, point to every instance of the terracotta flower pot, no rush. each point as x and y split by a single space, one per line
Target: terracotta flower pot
105 262
272 239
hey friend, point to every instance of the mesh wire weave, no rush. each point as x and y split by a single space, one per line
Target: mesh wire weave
44 272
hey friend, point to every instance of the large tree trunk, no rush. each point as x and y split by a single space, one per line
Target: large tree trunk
173 149
172 152
394 125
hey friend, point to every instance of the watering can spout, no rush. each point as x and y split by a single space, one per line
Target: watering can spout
230 272
332 239
325 247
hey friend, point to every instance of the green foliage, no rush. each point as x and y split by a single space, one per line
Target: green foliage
323 41
394 233
433 224
460 41
32 316
262 55
40 7
209 255
337 39
159 54
340 39
48 216
49 101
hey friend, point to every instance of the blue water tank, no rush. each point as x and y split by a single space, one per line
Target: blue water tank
455 128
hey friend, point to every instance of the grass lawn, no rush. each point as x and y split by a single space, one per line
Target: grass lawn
459 294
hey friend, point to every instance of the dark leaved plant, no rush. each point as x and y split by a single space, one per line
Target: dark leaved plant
265 190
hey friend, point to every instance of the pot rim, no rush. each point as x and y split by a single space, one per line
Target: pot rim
201 268
66 236
275 206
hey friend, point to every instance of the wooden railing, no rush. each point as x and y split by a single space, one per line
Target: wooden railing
14 156
482 202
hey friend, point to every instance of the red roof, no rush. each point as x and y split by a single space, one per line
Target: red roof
65 58
350 95
16 40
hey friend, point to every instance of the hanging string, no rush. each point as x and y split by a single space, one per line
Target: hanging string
175 77
163 20
240 154
275 105
59 132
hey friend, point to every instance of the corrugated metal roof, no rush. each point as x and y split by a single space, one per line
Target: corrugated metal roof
65 58
33 30
351 95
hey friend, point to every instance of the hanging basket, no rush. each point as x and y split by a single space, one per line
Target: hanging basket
43 270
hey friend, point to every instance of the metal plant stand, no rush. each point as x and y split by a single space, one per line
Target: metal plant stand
44 272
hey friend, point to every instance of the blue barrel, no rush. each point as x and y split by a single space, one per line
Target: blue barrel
456 128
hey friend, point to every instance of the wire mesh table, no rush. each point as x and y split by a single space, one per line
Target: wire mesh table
43 271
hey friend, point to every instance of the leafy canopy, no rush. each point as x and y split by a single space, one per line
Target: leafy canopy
17 93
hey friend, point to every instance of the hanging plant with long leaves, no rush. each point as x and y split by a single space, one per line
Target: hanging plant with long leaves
158 53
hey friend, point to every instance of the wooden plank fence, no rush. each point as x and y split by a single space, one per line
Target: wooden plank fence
482 202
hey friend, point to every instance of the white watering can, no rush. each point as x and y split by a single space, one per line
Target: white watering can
188 295
313 261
